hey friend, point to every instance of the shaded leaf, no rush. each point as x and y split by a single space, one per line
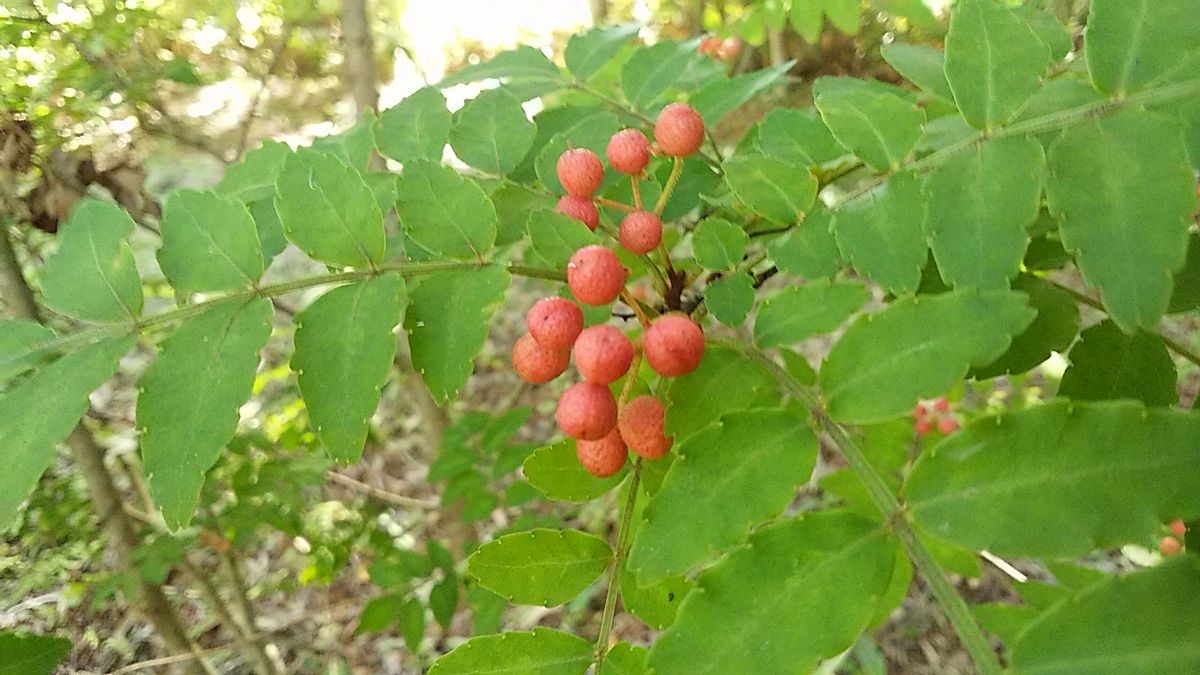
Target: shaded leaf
1121 54
724 382
540 567
799 312
979 204
353 146
721 97
492 133
626 659
1185 295
1122 191
1053 330
443 212
730 298
443 599
344 351
735 473
447 324
802 591
719 244
917 348
31 654
655 604
587 53
1117 470
514 203
1108 364
40 411
209 243
653 69
879 127
774 189
379 614
412 623
328 210
880 233
22 346
416 128
92 276
922 65
189 398
809 250
541 652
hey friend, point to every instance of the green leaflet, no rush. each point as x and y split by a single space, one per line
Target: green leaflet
724 382
774 189
40 410
922 65
492 133
189 398
1131 43
1053 330
592 132
878 126
209 243
917 348
22 346
93 276
1108 364
1116 470
881 234
344 350
540 652
735 473
656 604
1142 622
653 69
540 567
416 128
412 623
523 65
797 136
31 654
253 178
810 249
556 472
626 659
730 298
802 590
443 212
328 210
799 312
587 53
1186 294
994 61
722 96
447 324
979 205
353 146
514 203
380 613
1123 191
555 237
719 244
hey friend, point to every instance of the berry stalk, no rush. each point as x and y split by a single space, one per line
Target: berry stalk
618 566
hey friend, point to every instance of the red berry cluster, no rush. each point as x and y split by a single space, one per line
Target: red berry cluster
673 344
1170 545
724 50
927 414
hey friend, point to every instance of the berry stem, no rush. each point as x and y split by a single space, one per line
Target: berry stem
636 306
614 204
952 604
630 378
672 181
618 566
637 192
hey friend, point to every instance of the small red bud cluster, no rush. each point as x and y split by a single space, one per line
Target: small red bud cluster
727 49
1170 545
927 415
587 411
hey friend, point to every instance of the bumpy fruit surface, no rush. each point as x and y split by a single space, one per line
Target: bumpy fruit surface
1170 546
674 345
554 322
729 49
641 425
942 405
641 231
1178 527
586 411
581 209
604 457
679 130
920 411
922 426
628 151
580 171
595 275
948 425
602 353
537 364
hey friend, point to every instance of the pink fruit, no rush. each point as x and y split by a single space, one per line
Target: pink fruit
1178 527
602 353
674 345
679 130
604 457
641 231
628 151
1169 546
554 322
947 425
580 171
641 425
581 209
586 411
922 426
595 275
537 364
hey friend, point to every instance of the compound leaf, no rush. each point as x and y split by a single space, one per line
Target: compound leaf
209 243
540 567
328 210
93 276
880 233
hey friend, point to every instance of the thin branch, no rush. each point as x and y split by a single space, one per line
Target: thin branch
379 493
176 658
618 565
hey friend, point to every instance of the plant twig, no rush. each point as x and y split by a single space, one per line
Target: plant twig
672 181
379 493
618 566
614 204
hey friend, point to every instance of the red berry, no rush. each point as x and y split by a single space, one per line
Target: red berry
554 322
1178 527
679 130
640 232
587 411
709 45
729 49
602 354
947 425
641 425
580 171
920 411
537 364
628 151
595 275
581 209
922 426
1169 546
942 405
604 457
674 345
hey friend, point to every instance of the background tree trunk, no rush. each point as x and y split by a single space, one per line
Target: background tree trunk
599 11
360 55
